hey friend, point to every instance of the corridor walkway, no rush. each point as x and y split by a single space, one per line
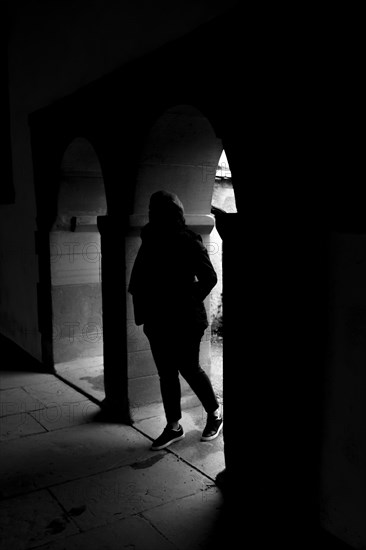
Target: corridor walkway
73 480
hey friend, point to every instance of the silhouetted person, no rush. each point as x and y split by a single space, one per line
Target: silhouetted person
171 277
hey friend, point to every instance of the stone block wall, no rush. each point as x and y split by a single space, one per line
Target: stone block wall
76 295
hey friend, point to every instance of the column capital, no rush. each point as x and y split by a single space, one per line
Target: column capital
201 223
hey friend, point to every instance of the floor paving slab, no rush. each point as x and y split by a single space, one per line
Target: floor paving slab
54 392
31 520
133 533
193 522
64 415
46 459
15 379
18 401
140 486
86 374
19 425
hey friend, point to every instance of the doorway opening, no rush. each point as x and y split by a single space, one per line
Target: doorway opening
75 256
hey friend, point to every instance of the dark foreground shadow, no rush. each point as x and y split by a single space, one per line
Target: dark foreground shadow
15 359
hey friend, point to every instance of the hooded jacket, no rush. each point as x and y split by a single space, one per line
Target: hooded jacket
171 277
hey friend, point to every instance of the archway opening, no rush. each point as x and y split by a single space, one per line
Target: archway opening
181 155
75 255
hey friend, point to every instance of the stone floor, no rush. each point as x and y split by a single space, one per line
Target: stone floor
72 480
87 373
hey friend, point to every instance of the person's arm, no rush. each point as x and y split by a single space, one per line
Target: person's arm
220 220
135 288
204 271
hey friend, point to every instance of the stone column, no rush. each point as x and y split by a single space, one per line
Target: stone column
114 318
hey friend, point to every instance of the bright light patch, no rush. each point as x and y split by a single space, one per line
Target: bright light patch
223 170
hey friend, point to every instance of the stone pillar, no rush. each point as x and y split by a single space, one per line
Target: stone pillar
343 503
114 318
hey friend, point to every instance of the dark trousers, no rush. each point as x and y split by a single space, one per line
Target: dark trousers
175 354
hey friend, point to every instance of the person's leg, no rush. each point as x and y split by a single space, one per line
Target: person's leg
192 372
190 369
170 390
162 352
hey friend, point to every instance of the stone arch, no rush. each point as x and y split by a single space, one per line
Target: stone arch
180 155
75 257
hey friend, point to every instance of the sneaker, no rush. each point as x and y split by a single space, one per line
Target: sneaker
212 429
167 437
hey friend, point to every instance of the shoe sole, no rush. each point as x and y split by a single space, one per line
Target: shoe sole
167 444
211 437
